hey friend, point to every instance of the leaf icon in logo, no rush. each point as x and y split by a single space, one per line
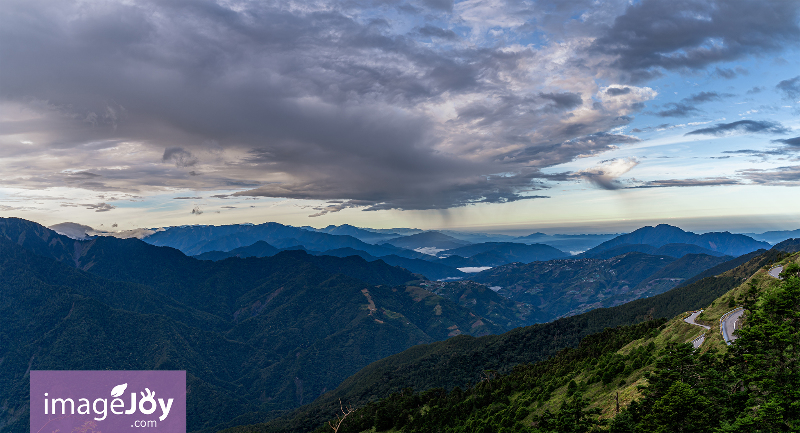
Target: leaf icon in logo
118 390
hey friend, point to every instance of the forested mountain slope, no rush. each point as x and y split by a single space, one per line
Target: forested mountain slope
462 361
257 336
639 378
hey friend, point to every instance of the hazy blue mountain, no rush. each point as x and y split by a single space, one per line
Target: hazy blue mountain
368 236
569 243
774 237
663 234
431 270
258 249
195 240
427 239
476 238
345 252
672 250
506 252
256 335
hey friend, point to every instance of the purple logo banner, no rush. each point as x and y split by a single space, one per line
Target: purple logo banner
103 401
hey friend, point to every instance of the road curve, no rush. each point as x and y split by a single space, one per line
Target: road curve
691 320
727 324
776 272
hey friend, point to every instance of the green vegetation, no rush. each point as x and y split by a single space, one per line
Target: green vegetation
461 361
639 378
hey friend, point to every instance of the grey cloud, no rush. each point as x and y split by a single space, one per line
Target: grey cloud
305 103
442 5
197 211
564 100
677 109
756 89
432 31
617 91
99 207
693 34
790 88
742 126
729 74
187 198
706 97
795 142
788 176
668 183
686 107
180 157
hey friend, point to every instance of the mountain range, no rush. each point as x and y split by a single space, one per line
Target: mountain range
256 335
266 318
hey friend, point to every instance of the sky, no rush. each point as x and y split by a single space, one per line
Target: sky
497 116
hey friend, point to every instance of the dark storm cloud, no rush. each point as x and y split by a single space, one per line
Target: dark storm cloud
742 126
327 101
673 35
790 88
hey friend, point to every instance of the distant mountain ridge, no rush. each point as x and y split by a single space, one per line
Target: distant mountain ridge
431 239
257 335
663 234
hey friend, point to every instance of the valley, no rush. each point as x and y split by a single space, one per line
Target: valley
279 334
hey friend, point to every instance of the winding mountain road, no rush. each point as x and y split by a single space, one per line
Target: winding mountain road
691 320
727 324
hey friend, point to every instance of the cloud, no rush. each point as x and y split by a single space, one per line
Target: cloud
653 34
187 198
669 183
182 158
383 105
706 97
605 174
197 211
795 142
99 207
72 230
686 107
432 31
563 100
742 126
677 109
786 176
443 5
729 74
790 88
616 91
